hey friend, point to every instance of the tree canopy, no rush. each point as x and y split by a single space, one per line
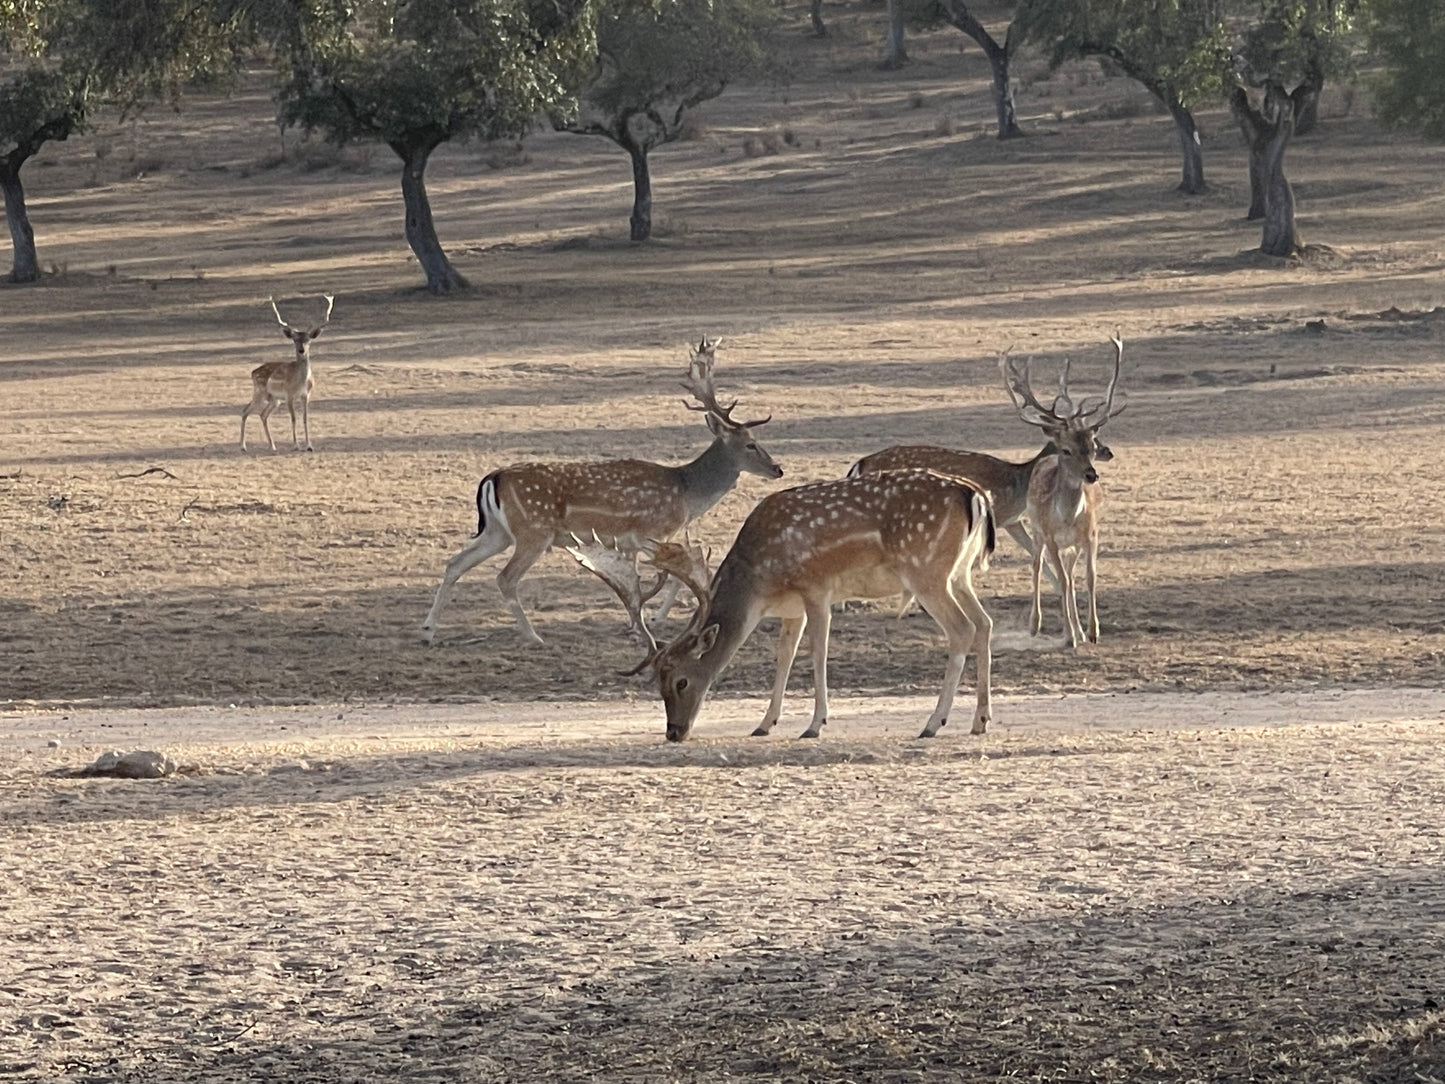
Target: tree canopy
1409 37
415 74
653 66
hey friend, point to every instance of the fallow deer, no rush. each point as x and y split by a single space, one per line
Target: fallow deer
534 506
292 379
803 549
1064 492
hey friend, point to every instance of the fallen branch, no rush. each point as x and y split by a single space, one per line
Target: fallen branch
149 470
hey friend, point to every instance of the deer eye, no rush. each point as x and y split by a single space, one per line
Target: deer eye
681 685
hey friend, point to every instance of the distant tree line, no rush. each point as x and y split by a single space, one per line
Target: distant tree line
416 74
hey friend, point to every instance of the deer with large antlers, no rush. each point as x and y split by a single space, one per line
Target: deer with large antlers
291 379
803 549
1064 492
534 506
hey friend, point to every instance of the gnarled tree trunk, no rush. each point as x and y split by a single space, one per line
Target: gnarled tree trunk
25 267
421 234
641 220
1268 131
1193 154
1281 238
999 56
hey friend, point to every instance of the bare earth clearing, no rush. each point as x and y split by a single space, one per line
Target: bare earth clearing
1208 848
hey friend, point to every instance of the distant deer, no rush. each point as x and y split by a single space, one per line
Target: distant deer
803 549
535 506
291 379
1063 492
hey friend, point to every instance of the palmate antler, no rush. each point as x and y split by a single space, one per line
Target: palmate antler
699 382
618 570
1091 412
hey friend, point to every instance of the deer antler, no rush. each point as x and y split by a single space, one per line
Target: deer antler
699 383
688 563
330 301
1091 412
618 571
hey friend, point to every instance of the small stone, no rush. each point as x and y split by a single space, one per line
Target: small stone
54 743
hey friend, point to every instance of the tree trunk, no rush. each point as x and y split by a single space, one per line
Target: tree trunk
1306 100
1281 238
998 59
421 234
816 13
896 55
1256 137
641 191
25 266
1193 182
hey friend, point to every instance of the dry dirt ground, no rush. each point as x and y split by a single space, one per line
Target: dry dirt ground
1205 849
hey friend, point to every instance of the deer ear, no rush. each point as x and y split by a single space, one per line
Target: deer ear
705 641
315 331
713 424
285 332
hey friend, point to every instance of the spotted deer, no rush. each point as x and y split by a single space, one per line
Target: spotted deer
534 506
291 379
1063 496
803 549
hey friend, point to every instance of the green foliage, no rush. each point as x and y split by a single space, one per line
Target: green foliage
655 64
1286 41
420 72
39 104
1175 44
1409 36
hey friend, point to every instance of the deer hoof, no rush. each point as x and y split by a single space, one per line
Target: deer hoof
980 726
762 731
812 731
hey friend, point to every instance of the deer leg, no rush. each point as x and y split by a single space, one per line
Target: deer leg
256 400
982 650
1067 596
669 596
819 619
487 544
265 419
306 421
1091 558
291 408
523 557
789 636
944 609
1021 536
966 626
1036 615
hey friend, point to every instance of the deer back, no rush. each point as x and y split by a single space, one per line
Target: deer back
1006 482
629 499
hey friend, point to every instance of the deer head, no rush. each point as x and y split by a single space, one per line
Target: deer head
302 339
750 455
1072 428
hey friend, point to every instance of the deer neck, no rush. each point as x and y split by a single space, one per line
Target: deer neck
734 608
707 479
1067 498
1011 498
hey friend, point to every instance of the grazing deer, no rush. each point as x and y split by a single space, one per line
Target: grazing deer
1063 492
535 506
803 549
292 379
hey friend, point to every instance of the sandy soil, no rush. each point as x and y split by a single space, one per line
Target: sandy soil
1205 848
